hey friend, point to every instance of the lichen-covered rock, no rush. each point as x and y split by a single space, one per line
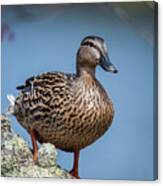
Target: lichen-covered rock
47 155
17 158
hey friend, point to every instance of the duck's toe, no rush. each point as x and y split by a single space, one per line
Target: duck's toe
74 173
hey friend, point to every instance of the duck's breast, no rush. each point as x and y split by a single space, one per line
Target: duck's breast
94 111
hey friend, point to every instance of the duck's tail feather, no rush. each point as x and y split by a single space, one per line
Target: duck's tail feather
11 99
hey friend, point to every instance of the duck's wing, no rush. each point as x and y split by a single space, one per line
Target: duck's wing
45 80
27 84
43 93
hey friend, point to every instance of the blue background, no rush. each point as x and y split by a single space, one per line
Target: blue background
47 37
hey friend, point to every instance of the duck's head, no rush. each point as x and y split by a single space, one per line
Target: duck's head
93 52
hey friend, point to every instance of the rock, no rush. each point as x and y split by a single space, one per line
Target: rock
17 158
47 155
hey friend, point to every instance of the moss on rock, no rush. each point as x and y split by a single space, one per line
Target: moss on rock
17 158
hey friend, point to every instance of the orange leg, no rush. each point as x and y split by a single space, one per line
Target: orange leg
34 144
74 171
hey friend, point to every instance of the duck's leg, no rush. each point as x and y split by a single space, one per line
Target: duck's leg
34 144
74 171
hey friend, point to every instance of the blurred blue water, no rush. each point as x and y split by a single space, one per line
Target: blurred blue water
51 42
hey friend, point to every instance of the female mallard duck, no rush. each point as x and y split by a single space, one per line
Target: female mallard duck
70 111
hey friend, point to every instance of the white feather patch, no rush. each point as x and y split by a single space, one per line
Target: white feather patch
11 99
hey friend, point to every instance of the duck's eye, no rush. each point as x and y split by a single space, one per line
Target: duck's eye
89 44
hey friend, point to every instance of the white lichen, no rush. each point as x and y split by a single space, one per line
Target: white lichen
17 158
47 155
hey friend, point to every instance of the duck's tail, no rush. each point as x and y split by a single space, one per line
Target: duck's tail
11 99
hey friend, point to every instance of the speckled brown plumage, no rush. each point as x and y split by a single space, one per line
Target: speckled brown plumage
65 110
70 111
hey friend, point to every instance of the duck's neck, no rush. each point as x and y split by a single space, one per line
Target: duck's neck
85 70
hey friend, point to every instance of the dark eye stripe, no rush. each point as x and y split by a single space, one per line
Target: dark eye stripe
88 43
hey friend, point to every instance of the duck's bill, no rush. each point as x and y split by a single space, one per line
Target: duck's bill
107 65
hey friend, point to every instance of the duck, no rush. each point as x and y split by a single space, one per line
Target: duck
68 110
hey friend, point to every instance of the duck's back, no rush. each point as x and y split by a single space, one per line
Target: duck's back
63 109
